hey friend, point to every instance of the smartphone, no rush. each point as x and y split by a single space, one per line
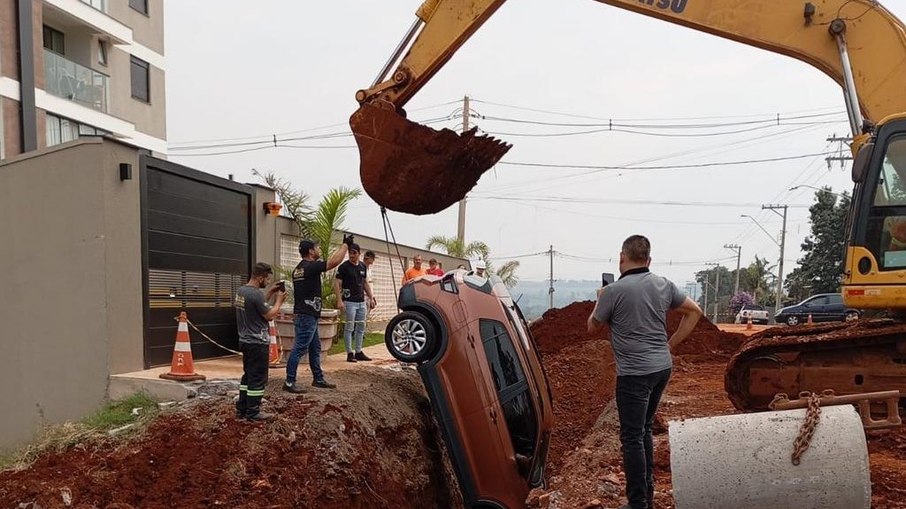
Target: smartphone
281 285
606 278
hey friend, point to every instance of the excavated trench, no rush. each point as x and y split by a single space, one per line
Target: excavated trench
373 444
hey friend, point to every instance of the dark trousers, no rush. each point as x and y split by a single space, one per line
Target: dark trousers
254 378
637 401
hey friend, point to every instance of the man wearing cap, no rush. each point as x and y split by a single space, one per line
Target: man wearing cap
433 269
307 308
480 268
415 271
351 287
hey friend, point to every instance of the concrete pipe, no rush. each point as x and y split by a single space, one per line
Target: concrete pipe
743 461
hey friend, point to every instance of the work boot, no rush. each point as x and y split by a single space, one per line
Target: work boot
360 356
260 417
293 388
323 384
351 357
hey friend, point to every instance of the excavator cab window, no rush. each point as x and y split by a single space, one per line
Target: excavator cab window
887 224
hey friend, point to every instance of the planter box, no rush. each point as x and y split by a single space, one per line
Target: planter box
328 325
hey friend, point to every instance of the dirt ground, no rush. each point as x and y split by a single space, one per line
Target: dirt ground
372 443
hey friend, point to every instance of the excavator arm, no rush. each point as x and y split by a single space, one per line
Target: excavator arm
858 43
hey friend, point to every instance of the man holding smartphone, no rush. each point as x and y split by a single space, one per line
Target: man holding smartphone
635 307
252 315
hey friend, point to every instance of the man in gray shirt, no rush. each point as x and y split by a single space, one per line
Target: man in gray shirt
252 315
636 308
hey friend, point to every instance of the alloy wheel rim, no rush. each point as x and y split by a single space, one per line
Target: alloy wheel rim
409 337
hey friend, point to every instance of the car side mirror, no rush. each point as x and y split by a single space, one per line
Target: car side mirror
860 163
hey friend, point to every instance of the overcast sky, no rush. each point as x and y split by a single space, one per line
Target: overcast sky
292 69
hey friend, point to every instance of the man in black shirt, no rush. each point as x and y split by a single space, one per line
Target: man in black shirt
350 287
307 293
252 315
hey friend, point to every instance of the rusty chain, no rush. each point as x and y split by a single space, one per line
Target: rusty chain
807 430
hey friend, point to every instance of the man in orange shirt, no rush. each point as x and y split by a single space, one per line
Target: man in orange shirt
415 271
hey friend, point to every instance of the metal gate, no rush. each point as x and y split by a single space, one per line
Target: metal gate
197 236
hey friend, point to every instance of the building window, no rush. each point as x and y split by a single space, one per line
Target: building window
140 80
102 52
53 40
139 5
61 130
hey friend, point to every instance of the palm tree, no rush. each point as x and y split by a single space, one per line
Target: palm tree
458 248
319 223
507 273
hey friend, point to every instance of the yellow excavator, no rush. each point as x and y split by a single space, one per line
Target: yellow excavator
858 43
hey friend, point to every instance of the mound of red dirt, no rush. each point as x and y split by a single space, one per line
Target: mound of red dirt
582 372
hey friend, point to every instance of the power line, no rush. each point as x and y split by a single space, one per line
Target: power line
566 199
661 167
657 134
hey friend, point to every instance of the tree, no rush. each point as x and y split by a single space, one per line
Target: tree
709 278
317 223
507 273
455 247
758 280
821 267
739 300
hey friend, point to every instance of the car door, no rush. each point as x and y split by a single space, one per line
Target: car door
835 310
818 309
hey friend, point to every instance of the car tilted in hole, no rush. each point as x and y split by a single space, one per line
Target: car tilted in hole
488 389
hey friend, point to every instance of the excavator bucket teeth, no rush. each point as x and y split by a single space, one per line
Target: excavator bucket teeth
411 168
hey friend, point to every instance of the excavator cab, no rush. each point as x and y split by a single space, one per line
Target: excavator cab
875 275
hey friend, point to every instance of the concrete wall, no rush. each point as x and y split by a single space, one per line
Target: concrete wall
71 255
146 30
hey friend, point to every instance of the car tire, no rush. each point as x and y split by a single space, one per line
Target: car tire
792 320
851 315
410 337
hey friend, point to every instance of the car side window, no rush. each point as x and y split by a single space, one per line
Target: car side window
512 390
501 354
835 299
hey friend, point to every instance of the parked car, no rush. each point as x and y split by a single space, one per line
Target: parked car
758 313
488 390
825 307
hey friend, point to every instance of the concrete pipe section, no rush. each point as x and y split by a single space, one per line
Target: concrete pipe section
744 461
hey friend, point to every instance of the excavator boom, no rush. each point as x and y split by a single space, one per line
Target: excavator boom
858 43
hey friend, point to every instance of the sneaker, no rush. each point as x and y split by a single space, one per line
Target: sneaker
293 388
323 384
360 356
260 417
351 357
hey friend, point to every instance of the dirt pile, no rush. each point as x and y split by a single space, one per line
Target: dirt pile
363 446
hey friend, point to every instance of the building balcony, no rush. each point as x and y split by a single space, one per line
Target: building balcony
69 80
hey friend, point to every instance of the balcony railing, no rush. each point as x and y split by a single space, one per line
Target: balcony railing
69 80
100 5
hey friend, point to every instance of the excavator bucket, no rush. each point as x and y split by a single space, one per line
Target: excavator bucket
411 168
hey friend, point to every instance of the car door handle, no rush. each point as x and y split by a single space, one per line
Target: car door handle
493 415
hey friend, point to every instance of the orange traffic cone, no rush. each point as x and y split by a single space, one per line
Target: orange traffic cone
809 322
182 369
749 323
274 349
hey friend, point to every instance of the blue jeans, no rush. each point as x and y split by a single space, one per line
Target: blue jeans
355 321
306 340
637 401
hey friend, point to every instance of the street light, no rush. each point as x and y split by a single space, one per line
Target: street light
815 188
762 228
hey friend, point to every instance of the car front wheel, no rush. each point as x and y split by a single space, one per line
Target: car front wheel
792 320
410 337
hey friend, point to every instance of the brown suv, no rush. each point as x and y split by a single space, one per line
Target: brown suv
487 387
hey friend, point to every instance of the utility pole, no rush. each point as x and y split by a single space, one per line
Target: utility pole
550 290
461 224
774 209
841 157
738 250
716 290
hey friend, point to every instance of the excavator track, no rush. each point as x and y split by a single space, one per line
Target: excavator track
849 358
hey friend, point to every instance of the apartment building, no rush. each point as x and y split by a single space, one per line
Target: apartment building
73 68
